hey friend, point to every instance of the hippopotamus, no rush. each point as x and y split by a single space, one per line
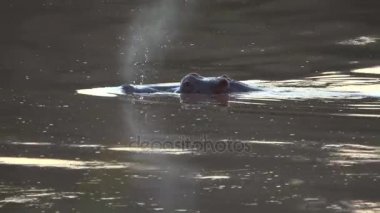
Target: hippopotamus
194 83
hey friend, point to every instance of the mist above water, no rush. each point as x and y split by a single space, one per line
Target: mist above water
149 35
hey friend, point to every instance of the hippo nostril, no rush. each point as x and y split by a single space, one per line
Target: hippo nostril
187 84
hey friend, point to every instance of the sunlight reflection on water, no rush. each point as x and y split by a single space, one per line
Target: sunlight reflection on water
18 195
60 163
268 142
32 143
370 70
356 115
151 150
102 91
359 41
356 206
212 177
350 154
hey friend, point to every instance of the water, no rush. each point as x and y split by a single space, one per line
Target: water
308 143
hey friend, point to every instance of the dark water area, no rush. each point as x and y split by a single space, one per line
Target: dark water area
305 145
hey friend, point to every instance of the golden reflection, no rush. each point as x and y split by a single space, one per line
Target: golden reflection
18 200
371 89
361 206
359 41
31 143
60 163
33 195
330 76
212 177
356 115
349 154
152 150
369 70
365 106
331 72
102 91
268 142
86 145
247 103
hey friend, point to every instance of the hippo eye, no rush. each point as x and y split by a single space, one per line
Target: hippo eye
186 87
222 86
223 83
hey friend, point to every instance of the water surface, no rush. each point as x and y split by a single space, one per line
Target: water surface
308 143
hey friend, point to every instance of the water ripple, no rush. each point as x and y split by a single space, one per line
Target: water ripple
351 154
359 41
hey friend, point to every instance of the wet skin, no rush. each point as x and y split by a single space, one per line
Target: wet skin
194 83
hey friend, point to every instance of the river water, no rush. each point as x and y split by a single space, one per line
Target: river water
308 143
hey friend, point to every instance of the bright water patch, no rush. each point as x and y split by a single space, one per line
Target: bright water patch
151 150
60 163
268 142
359 41
356 206
351 154
212 177
31 143
33 196
102 91
370 70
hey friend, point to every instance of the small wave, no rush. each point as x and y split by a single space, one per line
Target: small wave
351 154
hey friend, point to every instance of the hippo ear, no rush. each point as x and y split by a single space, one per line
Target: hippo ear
226 76
195 74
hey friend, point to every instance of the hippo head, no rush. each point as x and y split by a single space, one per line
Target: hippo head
195 83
